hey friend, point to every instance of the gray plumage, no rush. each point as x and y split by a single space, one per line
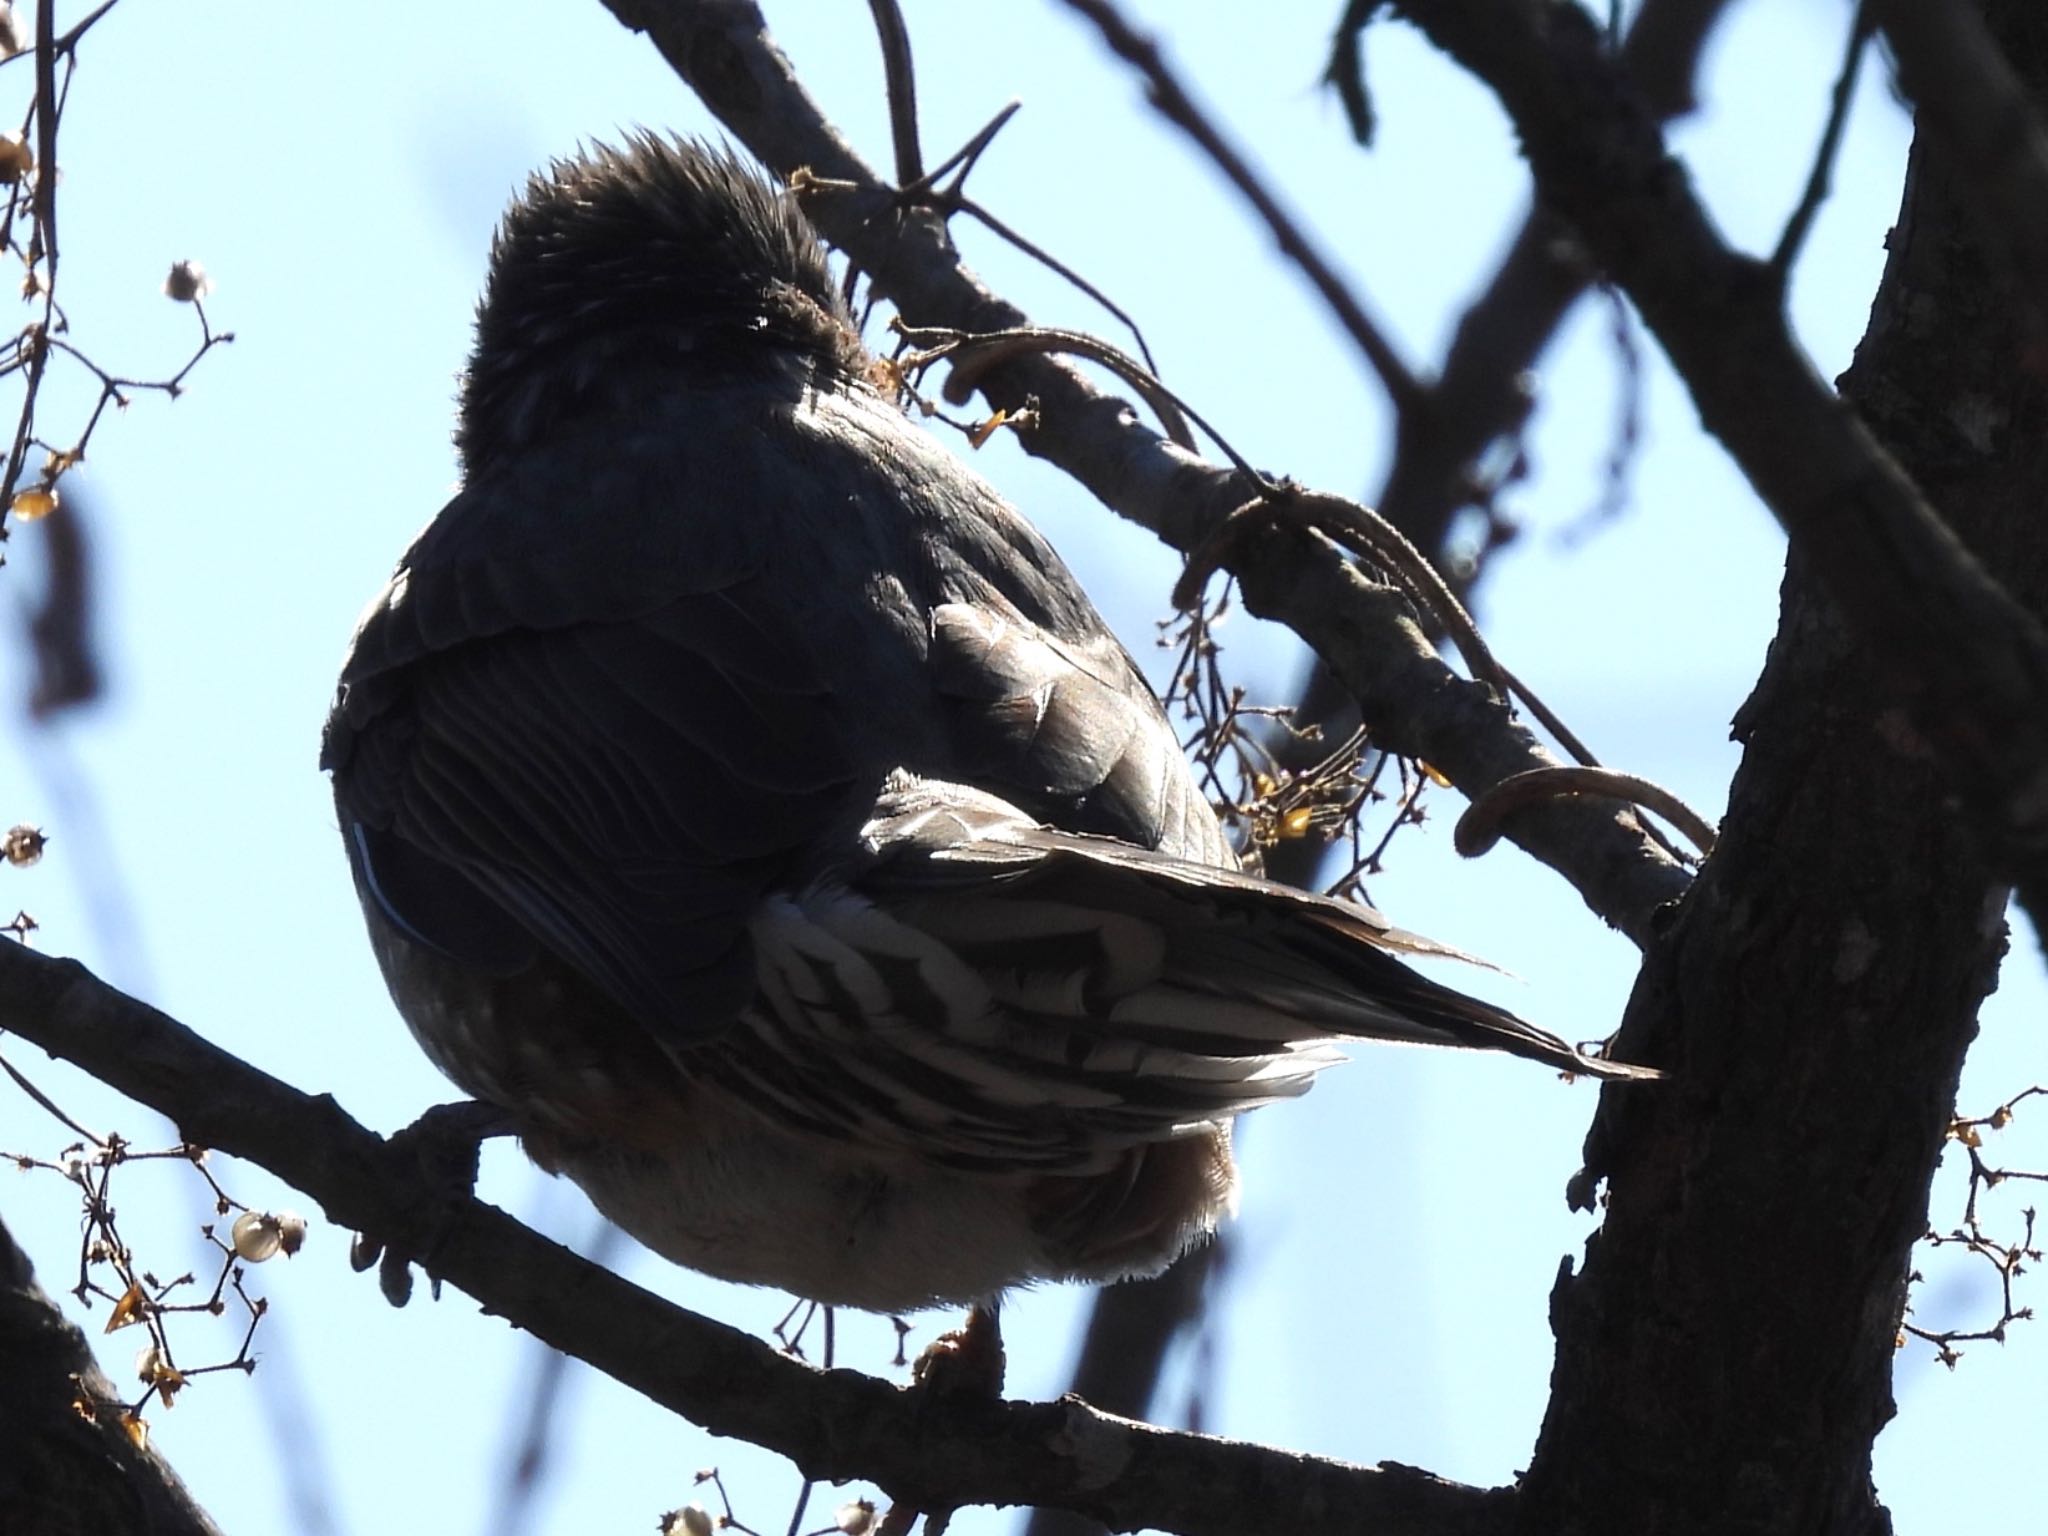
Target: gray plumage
748 800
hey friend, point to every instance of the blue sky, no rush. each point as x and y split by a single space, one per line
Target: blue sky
339 172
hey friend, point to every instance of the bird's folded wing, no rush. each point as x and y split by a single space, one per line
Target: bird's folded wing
999 993
1070 729
623 792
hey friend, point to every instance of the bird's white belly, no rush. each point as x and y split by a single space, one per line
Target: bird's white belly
746 1203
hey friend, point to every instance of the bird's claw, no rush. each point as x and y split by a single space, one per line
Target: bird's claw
967 1362
437 1156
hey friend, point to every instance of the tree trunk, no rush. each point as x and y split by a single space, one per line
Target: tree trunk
1725 1355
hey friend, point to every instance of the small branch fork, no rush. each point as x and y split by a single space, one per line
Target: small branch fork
31 179
2008 1257
136 1295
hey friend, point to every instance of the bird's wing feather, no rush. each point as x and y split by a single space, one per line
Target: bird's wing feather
574 722
1007 994
1068 729
624 821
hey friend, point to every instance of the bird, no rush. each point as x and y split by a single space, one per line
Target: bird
746 800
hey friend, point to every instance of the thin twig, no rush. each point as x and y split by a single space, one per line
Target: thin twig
1482 393
1819 178
1173 103
49 1106
901 80
1345 73
1480 827
1364 532
1052 263
971 356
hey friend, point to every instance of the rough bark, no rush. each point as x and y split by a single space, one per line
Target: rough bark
1725 1357
64 1470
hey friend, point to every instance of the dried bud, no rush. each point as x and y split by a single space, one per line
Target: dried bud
23 845
153 1369
34 503
856 1517
10 31
260 1235
188 281
16 158
690 1520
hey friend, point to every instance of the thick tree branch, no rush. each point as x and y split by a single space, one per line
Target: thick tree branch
1725 1357
1417 706
1966 92
835 1425
62 1470
1968 661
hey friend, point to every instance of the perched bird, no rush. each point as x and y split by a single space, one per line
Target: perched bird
748 801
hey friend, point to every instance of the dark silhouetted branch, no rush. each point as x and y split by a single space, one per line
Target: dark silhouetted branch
1970 664
834 1424
1964 89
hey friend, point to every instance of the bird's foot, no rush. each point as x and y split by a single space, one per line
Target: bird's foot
967 1362
438 1155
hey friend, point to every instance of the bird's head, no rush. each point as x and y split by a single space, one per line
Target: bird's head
626 270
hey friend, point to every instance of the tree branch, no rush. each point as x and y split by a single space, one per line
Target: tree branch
835 1425
1969 662
1965 91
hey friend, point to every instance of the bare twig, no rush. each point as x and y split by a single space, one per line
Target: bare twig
60 622
1629 389
1345 73
2008 1257
1365 533
1052 263
902 88
1480 827
971 356
1483 394
1172 101
1817 179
